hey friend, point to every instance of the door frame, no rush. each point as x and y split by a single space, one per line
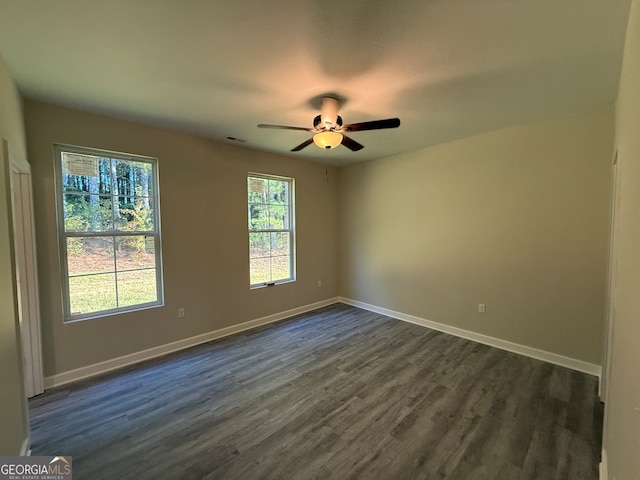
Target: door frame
26 272
610 314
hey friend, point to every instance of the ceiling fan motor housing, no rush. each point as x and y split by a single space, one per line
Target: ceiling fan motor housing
317 123
329 112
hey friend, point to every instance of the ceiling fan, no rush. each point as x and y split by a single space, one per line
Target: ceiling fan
330 131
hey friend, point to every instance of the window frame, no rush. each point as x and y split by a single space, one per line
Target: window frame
63 235
291 230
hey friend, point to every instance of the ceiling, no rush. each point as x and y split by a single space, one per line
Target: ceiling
448 68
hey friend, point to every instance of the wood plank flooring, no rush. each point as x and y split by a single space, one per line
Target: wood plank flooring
338 393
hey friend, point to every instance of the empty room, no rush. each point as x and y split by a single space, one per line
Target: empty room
335 240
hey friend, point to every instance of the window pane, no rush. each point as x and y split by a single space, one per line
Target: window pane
260 270
90 255
280 243
134 213
258 217
258 198
280 267
278 217
86 173
87 213
134 179
259 245
92 293
137 287
257 188
278 192
135 252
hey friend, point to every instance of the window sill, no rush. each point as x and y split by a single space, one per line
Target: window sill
271 284
110 313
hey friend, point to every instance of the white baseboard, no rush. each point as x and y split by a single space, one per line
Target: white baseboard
543 355
25 450
119 362
600 388
604 475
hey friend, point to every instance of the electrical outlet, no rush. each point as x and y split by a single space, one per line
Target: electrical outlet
319 283
181 312
481 308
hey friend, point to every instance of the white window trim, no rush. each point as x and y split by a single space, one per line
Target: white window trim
291 231
62 234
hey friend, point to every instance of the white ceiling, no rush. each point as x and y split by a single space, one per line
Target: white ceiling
448 68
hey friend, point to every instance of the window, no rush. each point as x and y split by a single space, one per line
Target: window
271 229
109 229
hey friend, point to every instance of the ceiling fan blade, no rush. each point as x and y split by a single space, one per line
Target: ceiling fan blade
351 144
302 145
373 125
284 127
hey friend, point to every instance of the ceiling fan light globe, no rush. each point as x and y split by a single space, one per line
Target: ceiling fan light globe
328 139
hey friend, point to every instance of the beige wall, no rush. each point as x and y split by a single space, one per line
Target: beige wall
516 219
622 413
204 235
13 410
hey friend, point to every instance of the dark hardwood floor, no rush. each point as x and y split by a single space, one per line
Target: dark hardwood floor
338 393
